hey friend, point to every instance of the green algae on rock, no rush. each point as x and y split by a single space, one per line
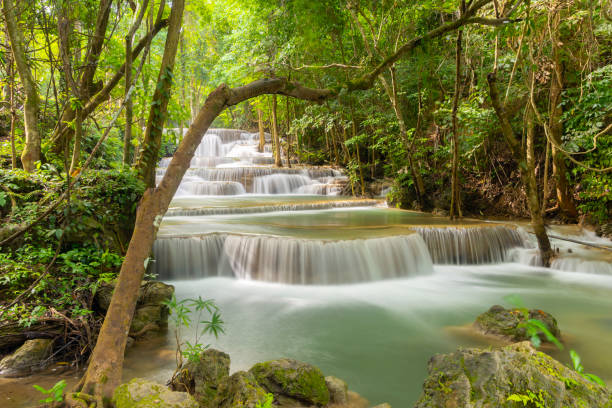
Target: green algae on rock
293 379
240 390
203 377
505 377
510 323
140 393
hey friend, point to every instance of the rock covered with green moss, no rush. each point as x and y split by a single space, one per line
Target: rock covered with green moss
291 380
203 377
475 378
139 393
509 323
240 390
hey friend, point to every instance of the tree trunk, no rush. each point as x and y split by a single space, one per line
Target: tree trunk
11 85
564 196
525 161
129 106
159 107
31 109
278 161
455 207
262 134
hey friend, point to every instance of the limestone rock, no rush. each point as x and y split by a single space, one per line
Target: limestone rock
202 378
140 393
475 378
338 390
150 314
506 323
240 390
27 358
291 379
385 405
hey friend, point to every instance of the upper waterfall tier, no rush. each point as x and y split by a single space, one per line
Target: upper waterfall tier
233 157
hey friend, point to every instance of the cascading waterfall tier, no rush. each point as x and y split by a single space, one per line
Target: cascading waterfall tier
292 260
470 245
313 261
325 205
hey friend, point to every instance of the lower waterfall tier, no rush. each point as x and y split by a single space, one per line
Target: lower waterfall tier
322 262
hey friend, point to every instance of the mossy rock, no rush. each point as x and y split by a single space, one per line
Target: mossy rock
31 356
140 393
509 323
293 379
487 378
240 390
202 378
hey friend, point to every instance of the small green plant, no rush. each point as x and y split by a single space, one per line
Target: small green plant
580 369
181 313
267 403
534 327
536 400
56 393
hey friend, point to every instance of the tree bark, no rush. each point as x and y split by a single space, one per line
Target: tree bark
525 161
262 135
564 196
455 207
151 144
31 152
278 161
129 114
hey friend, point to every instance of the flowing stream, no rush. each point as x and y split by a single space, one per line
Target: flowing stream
366 293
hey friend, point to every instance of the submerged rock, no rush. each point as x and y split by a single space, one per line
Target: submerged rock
27 358
291 380
475 378
202 378
509 323
140 393
240 390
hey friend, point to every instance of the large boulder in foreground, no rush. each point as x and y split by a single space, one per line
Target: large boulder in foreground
202 378
139 393
475 378
27 358
292 382
509 323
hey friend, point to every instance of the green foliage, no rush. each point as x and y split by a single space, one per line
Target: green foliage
267 403
580 369
56 393
530 398
188 312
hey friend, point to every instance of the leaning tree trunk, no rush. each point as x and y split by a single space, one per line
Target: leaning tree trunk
525 162
31 109
159 107
103 374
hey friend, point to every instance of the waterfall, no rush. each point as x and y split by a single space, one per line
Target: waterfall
211 146
280 183
172 212
212 188
470 245
292 260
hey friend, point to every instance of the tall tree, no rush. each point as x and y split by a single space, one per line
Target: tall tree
31 110
151 144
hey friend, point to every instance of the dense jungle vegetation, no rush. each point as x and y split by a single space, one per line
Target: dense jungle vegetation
467 108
